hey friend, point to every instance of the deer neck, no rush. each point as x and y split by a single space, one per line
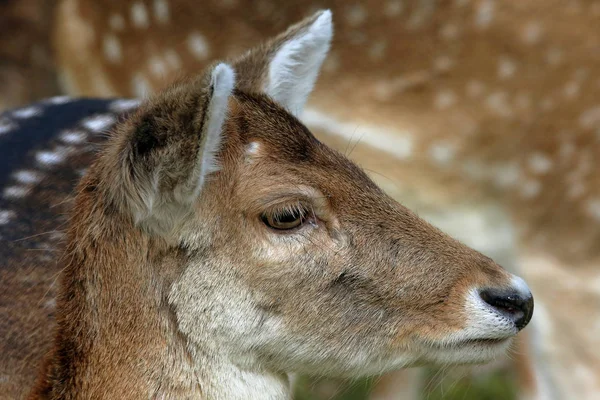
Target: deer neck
118 337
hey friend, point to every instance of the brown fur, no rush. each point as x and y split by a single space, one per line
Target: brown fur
497 84
361 283
112 344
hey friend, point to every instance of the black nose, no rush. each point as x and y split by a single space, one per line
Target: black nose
514 305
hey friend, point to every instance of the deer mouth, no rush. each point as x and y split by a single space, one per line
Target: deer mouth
475 342
484 341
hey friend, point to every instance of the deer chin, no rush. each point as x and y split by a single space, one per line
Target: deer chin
467 351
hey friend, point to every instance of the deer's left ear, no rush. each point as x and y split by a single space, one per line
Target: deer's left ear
287 67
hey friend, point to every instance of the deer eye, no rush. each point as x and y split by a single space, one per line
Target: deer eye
285 219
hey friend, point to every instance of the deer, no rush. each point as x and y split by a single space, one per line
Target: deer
482 115
215 246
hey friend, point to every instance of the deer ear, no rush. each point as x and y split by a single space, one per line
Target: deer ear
287 67
296 62
222 82
171 146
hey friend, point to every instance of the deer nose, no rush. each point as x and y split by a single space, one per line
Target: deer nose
514 303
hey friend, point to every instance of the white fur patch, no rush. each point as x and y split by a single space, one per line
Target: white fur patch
294 68
483 321
251 151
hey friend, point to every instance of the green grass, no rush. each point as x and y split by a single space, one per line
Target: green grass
456 384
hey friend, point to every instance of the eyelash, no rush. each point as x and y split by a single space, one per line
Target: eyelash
297 215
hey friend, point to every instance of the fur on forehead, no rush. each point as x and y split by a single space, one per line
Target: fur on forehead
258 118
282 138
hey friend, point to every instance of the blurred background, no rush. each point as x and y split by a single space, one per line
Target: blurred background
481 115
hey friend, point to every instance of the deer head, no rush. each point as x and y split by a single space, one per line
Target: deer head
217 241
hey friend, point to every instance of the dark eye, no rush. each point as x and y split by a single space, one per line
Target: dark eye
286 219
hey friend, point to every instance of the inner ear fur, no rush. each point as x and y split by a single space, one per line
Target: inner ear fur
170 146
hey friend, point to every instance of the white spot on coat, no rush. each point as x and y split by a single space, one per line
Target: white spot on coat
590 118
161 11
593 208
158 67
27 177
394 8
139 15
140 86
198 46
49 158
530 189
26 112
506 68
443 63
506 175
59 100
532 33
539 163
122 105
6 125
15 192
571 89
99 123
498 103
173 59
73 137
484 13
112 48
441 153
444 99
6 216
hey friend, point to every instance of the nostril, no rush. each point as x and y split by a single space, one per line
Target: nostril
511 304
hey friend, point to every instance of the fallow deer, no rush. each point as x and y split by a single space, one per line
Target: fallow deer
215 245
481 114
